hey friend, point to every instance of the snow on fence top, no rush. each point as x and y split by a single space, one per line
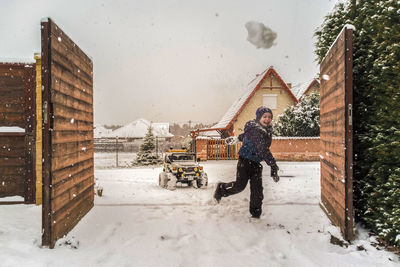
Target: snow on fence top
274 137
294 137
13 129
17 60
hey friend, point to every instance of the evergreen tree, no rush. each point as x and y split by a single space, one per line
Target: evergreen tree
146 155
301 119
376 81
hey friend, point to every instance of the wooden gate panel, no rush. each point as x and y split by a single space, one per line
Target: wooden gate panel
17 109
336 134
68 133
218 150
12 91
12 165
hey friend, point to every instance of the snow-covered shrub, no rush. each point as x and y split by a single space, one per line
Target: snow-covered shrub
376 81
301 119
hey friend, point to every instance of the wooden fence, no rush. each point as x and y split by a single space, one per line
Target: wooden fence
17 111
283 148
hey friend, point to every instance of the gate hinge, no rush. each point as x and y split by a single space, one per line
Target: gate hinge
350 115
45 112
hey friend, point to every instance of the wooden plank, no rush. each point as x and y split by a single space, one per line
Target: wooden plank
30 102
68 223
336 196
46 141
65 173
12 152
11 107
63 124
12 119
12 140
71 136
30 181
68 184
12 178
350 228
71 207
71 46
63 149
73 56
70 113
11 185
11 100
330 178
11 202
70 63
13 162
63 75
70 159
332 213
69 89
10 170
11 83
71 102
63 199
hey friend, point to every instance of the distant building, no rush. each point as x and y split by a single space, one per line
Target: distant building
305 88
138 129
100 131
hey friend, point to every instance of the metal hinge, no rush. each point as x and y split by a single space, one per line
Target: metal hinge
350 115
45 112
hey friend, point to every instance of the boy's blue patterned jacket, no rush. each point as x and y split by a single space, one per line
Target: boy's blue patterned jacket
256 142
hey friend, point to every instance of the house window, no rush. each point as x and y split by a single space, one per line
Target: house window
270 101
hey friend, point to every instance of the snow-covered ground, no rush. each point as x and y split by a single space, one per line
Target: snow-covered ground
137 223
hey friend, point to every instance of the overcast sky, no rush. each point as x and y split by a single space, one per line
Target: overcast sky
171 61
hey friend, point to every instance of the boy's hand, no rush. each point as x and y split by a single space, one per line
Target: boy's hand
232 140
274 172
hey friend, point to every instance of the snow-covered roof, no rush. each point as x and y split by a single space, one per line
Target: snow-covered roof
235 109
299 89
208 134
100 131
138 129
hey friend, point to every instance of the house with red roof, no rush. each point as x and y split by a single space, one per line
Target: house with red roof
268 89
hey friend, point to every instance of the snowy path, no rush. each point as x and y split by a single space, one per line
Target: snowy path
137 223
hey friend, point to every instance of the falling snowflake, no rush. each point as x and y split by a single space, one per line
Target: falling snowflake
325 77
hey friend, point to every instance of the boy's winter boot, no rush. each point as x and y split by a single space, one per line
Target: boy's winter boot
218 192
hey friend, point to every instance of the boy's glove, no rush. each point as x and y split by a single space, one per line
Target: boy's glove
232 140
274 172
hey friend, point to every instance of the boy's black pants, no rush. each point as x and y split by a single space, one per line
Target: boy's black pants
247 170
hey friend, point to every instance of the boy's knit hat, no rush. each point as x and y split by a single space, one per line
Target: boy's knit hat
261 110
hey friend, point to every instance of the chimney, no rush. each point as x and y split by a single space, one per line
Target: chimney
289 85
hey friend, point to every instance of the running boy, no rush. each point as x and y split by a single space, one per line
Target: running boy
257 138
